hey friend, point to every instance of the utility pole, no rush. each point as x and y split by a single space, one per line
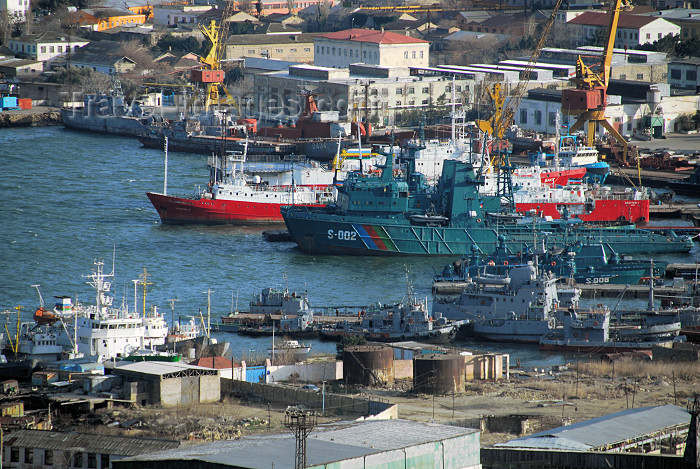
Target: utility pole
300 421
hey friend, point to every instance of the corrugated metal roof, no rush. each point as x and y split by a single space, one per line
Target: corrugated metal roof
327 444
89 443
158 368
607 430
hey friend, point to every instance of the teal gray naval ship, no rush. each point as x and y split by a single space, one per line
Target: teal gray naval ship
398 213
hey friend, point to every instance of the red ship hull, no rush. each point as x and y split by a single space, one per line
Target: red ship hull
181 211
561 178
602 210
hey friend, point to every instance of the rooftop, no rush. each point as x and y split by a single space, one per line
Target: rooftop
90 443
257 39
627 21
326 444
158 368
602 432
372 36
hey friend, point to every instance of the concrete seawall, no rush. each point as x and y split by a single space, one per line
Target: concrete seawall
38 116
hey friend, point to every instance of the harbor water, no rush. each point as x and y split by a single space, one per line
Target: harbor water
69 198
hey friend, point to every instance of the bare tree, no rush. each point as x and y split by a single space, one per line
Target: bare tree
290 6
5 26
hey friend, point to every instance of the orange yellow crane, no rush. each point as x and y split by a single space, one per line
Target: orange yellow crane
588 100
504 111
212 75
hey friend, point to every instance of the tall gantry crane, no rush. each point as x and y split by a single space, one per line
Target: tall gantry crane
504 110
212 74
588 100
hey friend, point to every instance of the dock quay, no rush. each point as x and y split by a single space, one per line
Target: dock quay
37 116
682 270
630 291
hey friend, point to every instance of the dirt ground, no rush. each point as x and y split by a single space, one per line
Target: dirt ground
556 398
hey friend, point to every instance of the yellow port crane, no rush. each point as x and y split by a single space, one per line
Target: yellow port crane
212 75
588 100
504 111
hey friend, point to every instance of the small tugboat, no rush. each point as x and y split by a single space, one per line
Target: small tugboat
299 351
407 320
293 310
591 332
231 198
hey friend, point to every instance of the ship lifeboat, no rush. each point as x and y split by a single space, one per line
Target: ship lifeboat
43 316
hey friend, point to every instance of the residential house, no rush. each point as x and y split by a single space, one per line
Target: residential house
11 67
104 57
99 19
384 48
687 19
283 18
179 60
266 7
237 17
29 449
45 47
16 9
170 15
277 28
515 25
685 73
632 30
292 47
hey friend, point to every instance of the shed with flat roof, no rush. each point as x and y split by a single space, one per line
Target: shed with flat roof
170 383
368 444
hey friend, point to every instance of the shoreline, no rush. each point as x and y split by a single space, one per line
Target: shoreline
38 116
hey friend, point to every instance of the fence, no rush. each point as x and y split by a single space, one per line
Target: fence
331 402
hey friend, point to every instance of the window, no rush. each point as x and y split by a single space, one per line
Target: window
405 55
413 54
251 51
675 74
399 91
660 36
424 102
78 460
640 76
648 35
319 50
398 103
426 90
14 454
375 55
43 49
29 455
345 52
411 90
307 49
279 51
293 51
92 460
104 461
51 49
538 117
364 54
552 118
411 102
691 75
523 116
421 54
48 457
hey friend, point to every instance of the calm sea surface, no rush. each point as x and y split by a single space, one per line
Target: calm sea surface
69 198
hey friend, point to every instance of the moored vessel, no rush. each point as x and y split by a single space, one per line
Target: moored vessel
231 198
372 216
